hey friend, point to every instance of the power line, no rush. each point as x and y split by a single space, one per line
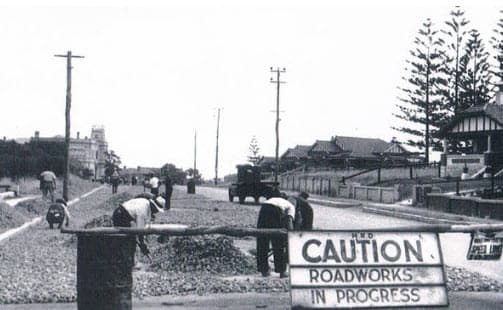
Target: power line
278 82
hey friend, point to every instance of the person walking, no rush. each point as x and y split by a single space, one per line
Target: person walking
137 212
168 185
115 179
47 184
275 212
154 184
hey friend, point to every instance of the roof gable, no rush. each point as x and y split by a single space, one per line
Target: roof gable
362 146
491 111
326 147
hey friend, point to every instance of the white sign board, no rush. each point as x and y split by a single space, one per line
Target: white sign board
341 269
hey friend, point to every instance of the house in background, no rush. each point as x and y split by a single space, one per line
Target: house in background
294 157
344 152
473 140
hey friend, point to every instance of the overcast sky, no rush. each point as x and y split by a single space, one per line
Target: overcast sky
155 72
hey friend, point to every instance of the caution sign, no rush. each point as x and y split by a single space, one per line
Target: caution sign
341 269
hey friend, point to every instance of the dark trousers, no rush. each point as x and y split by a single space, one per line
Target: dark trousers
169 192
121 218
115 185
48 189
270 217
155 191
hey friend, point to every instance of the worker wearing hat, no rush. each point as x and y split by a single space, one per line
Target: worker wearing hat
138 211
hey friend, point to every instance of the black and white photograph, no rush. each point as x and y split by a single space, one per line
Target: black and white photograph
239 154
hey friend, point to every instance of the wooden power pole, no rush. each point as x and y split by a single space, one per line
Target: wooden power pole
195 154
68 57
278 82
216 152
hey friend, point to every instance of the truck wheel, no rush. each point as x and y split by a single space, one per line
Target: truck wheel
257 198
242 199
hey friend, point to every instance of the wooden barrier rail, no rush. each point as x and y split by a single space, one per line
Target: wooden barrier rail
242 232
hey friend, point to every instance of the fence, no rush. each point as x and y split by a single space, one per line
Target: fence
469 206
333 188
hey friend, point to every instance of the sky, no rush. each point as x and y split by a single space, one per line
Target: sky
155 72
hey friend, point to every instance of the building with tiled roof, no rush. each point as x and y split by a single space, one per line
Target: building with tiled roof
343 151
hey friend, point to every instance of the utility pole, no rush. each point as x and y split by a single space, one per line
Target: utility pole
278 82
216 153
68 57
195 153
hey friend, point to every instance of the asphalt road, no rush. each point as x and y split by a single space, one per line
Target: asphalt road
454 245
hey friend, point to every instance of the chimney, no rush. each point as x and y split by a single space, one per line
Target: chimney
78 135
37 134
499 94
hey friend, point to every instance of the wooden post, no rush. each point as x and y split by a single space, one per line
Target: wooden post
378 175
66 169
457 188
278 82
216 152
410 172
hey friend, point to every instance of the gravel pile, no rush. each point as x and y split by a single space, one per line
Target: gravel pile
459 279
212 255
164 283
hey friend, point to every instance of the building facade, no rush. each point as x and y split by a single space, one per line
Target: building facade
87 153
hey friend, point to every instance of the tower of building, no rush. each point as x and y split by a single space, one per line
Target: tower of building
98 135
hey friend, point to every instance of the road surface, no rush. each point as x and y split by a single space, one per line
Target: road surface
454 245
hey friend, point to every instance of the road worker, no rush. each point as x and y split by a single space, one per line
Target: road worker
275 212
47 184
137 213
57 213
304 215
115 179
168 184
154 184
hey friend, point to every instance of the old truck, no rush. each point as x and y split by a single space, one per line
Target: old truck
250 184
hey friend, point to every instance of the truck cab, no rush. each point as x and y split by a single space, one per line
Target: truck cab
249 184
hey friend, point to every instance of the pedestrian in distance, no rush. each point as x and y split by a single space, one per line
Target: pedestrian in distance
154 184
137 212
115 179
168 185
47 184
275 212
